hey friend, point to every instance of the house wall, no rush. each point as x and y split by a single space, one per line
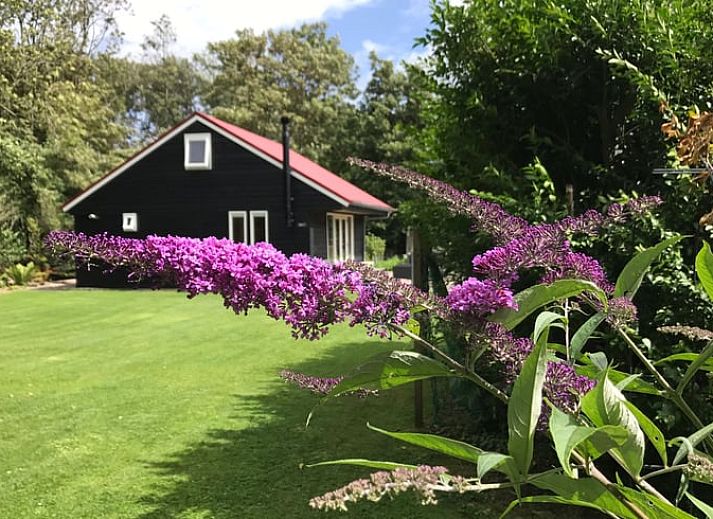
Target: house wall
170 200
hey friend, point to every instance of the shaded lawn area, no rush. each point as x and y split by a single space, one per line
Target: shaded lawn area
143 404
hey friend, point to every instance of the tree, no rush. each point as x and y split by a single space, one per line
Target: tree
301 73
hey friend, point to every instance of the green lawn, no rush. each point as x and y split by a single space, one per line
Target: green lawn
144 404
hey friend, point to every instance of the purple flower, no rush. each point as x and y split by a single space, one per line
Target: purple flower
318 385
308 293
475 298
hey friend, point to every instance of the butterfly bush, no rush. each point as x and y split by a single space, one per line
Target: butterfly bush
311 294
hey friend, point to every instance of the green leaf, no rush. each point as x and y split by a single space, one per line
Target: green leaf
633 273
606 405
634 386
488 461
582 335
538 296
704 268
567 435
389 370
686 357
690 442
550 500
701 362
652 506
525 406
381 465
543 321
587 490
706 509
652 432
454 448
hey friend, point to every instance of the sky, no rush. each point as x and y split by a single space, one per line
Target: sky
386 26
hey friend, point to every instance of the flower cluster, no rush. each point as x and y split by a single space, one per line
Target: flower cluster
476 298
318 385
563 386
307 293
691 332
699 467
420 479
486 216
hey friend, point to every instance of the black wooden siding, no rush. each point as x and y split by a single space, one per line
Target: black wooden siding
170 200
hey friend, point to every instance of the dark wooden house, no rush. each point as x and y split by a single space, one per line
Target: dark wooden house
206 177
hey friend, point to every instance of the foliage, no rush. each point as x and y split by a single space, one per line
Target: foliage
301 73
11 247
20 274
375 247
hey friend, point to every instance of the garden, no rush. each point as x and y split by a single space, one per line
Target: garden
552 164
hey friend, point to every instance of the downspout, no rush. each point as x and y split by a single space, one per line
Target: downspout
286 169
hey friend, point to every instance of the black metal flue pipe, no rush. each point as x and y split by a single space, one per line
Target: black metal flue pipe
286 168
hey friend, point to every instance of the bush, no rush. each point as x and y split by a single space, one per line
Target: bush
12 248
20 274
375 247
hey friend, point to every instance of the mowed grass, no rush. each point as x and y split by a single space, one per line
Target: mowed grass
144 404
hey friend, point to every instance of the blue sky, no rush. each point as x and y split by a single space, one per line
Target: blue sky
387 26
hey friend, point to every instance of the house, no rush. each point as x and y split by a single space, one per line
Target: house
206 177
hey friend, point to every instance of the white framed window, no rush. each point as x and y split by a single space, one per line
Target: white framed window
129 222
197 151
238 226
259 227
340 237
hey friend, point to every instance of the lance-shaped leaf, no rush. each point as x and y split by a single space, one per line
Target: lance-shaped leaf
359 462
554 500
633 273
582 335
606 405
704 268
454 448
635 385
567 436
687 444
651 430
706 509
702 361
525 406
543 322
386 371
652 506
503 463
587 490
706 365
538 296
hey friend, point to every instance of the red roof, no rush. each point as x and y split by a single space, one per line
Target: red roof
304 166
309 171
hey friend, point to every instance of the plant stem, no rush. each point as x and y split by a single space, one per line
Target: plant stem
595 473
457 366
566 332
661 472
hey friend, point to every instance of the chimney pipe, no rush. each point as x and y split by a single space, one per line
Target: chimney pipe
286 169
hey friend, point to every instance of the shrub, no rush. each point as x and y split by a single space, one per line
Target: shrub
20 274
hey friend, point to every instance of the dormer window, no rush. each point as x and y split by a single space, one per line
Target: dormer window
197 151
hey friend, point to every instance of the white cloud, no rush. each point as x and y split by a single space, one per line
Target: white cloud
198 22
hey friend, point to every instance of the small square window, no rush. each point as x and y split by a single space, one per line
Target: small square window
197 151
130 222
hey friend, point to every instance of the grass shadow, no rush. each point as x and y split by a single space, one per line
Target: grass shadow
259 471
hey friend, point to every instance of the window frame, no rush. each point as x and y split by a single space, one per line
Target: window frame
231 229
338 252
207 163
257 214
133 227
